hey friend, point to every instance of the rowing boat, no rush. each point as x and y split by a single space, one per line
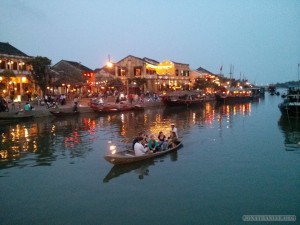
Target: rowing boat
128 156
15 115
64 113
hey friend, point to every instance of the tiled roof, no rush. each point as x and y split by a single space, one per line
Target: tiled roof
152 61
7 49
79 66
202 70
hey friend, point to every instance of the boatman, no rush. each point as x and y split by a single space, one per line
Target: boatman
174 129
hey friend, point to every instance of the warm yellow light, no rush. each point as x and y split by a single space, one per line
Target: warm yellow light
109 64
24 79
1 78
112 147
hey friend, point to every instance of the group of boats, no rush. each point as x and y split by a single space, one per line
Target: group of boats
290 107
228 95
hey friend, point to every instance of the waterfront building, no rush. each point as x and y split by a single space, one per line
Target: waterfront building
157 76
71 77
14 72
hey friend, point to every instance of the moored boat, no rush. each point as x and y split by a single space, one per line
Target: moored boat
15 115
128 156
237 95
113 105
64 113
183 98
291 104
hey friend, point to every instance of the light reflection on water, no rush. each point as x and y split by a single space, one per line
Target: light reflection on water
54 138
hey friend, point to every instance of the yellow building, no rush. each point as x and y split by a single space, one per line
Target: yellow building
14 72
159 76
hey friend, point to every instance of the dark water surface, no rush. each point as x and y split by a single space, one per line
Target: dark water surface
236 160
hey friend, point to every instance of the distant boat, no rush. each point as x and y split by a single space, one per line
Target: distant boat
272 89
291 104
237 95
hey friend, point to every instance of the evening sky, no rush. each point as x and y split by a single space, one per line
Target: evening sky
260 38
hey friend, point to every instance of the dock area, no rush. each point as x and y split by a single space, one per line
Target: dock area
42 110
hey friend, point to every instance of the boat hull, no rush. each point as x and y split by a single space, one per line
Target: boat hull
291 104
61 113
290 109
234 99
128 156
15 116
116 108
178 102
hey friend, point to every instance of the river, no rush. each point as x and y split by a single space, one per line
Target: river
236 161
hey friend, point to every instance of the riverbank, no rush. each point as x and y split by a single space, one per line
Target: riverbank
43 111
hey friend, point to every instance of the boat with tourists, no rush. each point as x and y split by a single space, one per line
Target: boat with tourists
128 156
291 103
237 95
183 98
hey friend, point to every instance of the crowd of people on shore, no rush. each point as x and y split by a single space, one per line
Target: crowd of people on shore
144 144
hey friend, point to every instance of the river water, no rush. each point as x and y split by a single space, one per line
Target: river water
236 161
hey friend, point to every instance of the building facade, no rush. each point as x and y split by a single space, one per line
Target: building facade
71 77
14 72
158 76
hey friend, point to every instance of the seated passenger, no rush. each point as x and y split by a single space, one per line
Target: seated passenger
172 140
162 143
139 149
135 140
152 144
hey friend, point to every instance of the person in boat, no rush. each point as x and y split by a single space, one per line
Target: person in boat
174 129
27 106
172 140
162 143
136 139
139 148
153 144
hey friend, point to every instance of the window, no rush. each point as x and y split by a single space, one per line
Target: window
137 71
2 64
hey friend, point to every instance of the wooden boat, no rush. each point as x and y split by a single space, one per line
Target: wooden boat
115 107
128 156
183 98
64 113
15 115
291 104
237 95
